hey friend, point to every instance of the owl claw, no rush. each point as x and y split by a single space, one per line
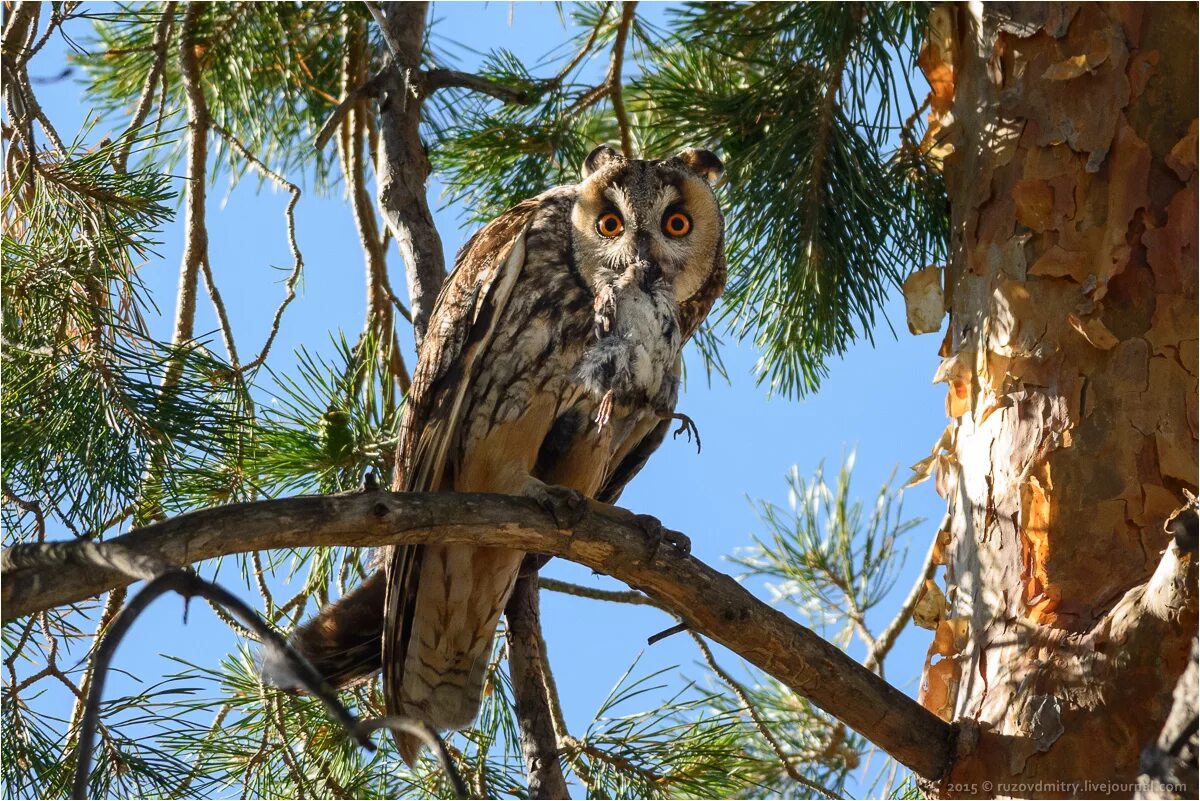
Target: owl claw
657 533
564 504
604 413
686 426
605 308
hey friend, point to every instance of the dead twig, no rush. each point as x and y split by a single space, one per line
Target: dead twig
289 216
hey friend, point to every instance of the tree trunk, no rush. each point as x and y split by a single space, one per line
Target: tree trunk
1068 138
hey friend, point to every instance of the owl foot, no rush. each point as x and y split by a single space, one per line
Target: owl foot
657 534
604 413
605 309
686 426
564 504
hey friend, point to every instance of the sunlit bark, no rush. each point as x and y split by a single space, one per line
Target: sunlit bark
1068 133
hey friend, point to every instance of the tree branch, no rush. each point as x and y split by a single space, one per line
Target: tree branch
435 79
526 664
195 248
157 72
883 644
189 585
614 78
289 217
616 596
609 540
403 167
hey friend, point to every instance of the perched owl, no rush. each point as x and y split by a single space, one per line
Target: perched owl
550 369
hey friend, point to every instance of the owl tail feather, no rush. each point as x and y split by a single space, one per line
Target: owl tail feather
343 642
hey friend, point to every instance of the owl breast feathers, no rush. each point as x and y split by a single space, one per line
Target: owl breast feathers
550 369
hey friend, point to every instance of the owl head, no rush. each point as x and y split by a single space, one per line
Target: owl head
658 217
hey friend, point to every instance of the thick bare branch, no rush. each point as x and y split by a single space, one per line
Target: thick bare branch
403 167
609 540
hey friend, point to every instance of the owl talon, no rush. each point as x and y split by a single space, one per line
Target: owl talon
604 413
605 308
686 426
564 504
657 533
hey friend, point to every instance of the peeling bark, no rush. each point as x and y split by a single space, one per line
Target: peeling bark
1068 133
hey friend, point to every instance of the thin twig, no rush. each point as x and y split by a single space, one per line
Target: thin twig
181 791
759 723
190 585
885 641
558 79
678 628
578 590
370 88
289 216
218 303
162 34
33 507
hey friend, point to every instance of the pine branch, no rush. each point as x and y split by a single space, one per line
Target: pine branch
432 80
616 596
608 540
195 248
403 166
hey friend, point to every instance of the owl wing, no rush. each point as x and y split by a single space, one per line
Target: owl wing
461 329
462 326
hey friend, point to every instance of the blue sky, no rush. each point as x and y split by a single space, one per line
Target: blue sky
877 401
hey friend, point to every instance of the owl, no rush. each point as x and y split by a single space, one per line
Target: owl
550 369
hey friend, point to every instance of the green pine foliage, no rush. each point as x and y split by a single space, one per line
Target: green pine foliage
829 200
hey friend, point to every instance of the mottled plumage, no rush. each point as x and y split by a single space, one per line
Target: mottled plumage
550 369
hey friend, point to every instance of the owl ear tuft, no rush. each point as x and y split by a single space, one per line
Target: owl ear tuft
702 162
599 158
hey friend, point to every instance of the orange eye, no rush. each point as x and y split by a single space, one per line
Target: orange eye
676 224
609 225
